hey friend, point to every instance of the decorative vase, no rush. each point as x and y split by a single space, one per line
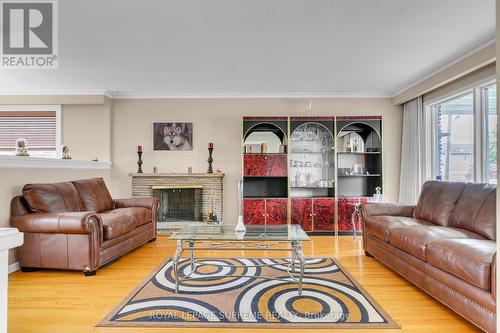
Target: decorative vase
240 226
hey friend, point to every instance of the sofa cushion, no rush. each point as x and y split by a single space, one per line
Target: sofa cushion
415 240
437 201
52 198
116 224
380 226
468 259
94 194
476 210
141 215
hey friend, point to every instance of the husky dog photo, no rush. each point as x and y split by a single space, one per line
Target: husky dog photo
173 136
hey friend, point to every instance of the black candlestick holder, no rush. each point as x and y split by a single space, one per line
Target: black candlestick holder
210 160
139 162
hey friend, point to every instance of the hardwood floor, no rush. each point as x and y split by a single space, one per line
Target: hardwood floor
61 301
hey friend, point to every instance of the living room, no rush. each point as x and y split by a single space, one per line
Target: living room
320 165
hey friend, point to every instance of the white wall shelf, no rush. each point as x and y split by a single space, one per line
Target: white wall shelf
7 162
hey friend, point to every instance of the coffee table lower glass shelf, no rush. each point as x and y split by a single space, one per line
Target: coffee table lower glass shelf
257 237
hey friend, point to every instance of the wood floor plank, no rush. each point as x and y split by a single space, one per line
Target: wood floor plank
62 301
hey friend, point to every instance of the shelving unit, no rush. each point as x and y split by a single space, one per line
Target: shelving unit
359 164
265 170
312 173
309 170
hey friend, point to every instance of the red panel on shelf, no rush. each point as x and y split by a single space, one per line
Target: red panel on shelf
253 211
276 211
254 165
277 165
345 210
323 214
302 213
265 165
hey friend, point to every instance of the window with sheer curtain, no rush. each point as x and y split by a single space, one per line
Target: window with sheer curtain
464 138
38 125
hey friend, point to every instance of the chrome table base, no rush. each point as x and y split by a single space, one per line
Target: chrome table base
295 250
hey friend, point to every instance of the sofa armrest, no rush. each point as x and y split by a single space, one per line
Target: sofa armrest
59 223
493 277
148 202
376 209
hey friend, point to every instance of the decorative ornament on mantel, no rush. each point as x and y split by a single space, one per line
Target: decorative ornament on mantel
210 159
139 159
65 152
22 147
212 216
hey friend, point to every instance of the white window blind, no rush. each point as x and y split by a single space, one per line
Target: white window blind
37 127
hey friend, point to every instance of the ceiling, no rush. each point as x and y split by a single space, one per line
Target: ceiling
255 47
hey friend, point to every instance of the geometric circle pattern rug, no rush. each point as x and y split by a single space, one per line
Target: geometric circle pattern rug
331 298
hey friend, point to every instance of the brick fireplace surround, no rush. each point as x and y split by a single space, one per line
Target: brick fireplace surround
143 183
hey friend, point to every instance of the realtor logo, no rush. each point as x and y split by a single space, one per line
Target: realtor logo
29 37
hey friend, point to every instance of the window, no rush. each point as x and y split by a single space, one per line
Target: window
490 108
39 125
464 138
454 144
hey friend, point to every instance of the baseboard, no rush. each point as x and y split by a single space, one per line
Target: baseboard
14 267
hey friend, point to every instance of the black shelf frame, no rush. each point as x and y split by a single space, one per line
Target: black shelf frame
360 185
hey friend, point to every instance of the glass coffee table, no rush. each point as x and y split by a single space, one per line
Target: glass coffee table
256 237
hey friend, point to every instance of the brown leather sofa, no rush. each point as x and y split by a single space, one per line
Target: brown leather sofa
78 226
445 245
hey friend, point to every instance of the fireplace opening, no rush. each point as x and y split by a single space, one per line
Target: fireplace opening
179 203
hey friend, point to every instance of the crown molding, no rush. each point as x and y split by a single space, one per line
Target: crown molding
136 95
55 93
132 95
442 68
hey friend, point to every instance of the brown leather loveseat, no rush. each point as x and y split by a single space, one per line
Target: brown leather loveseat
445 245
78 226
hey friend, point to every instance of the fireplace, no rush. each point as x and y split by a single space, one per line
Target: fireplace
181 190
179 203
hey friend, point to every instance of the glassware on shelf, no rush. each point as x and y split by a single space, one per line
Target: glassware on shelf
310 179
311 153
357 169
323 183
300 179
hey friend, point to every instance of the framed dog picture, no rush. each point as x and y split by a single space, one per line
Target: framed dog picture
173 136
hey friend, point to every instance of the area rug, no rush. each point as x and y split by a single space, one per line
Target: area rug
331 298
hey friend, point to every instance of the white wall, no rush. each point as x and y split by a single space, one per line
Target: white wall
220 121
82 131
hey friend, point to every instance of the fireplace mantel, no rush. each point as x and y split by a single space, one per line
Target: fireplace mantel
177 175
211 184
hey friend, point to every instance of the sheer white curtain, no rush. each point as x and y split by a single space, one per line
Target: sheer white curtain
413 151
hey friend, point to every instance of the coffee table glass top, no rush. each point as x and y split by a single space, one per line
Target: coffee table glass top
289 232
